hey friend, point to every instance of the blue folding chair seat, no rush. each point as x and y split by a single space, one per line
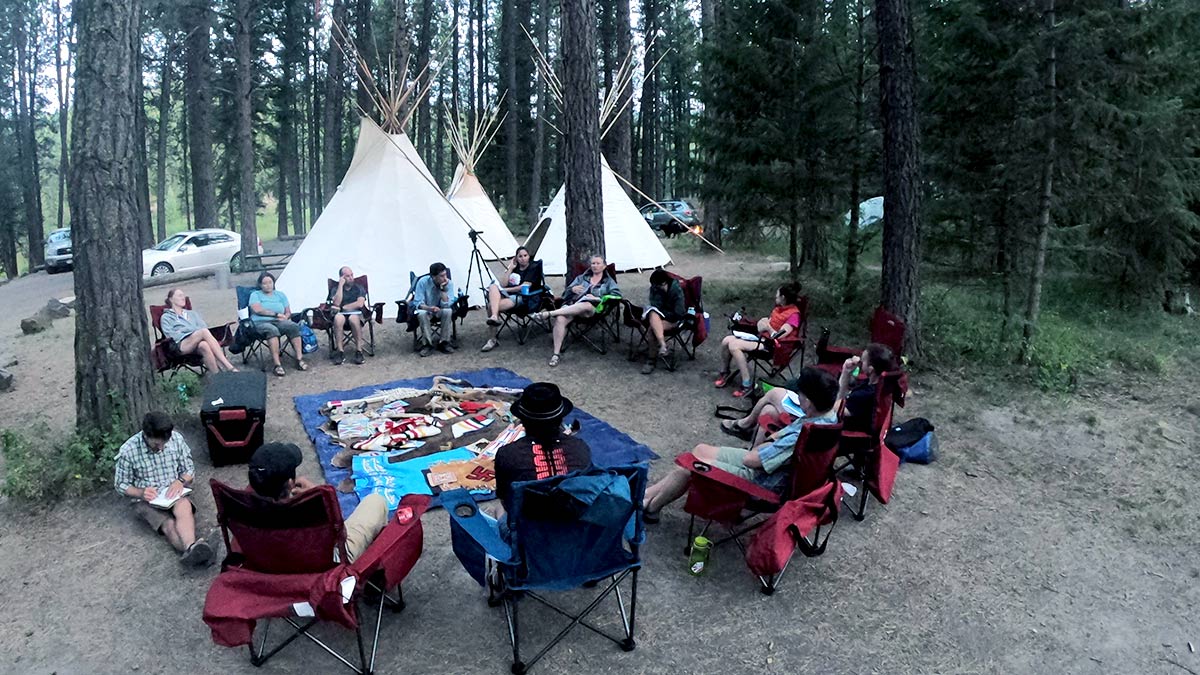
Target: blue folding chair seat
551 521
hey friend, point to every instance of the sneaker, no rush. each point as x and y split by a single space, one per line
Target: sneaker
339 357
648 367
358 358
198 554
490 345
426 350
446 348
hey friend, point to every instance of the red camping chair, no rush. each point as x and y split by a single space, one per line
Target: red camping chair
283 564
596 329
886 329
868 460
806 512
778 356
687 335
321 317
165 354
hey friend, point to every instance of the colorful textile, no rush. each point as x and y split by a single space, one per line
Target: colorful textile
450 413
378 474
464 427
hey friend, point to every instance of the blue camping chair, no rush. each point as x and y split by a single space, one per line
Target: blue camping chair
552 521
248 340
406 316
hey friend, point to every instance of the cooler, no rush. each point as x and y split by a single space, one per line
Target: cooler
233 414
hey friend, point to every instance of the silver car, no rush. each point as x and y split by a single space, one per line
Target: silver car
58 251
194 249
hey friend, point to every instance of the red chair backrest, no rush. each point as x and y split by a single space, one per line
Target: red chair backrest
693 299
360 280
156 313
812 461
888 329
294 536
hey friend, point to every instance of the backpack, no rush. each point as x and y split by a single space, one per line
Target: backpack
308 339
913 441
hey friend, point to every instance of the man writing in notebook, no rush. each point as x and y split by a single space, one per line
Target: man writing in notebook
157 462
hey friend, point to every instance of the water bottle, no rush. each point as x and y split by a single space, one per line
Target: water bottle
698 560
183 392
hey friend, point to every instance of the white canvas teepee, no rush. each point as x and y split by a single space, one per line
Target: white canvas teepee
468 196
388 218
629 243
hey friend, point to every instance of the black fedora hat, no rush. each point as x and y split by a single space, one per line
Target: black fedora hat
542 402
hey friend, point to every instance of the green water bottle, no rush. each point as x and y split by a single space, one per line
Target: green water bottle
698 560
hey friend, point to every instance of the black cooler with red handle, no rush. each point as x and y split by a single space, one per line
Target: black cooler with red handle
233 414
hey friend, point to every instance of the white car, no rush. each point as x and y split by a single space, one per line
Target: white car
192 250
58 251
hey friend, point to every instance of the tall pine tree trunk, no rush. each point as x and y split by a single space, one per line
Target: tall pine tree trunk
61 75
585 226
197 21
365 46
164 124
648 173
856 151
1033 304
713 211
186 187
539 126
26 41
315 186
248 199
142 172
333 112
113 381
512 122
901 163
621 159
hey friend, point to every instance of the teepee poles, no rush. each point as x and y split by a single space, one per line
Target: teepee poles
470 143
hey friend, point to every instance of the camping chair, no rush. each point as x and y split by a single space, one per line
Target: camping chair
283 563
409 318
321 318
867 459
520 319
165 354
686 336
253 344
596 329
552 522
805 514
777 357
886 329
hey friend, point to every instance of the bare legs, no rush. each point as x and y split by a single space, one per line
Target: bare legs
497 303
339 328
203 343
181 530
735 349
564 316
771 403
674 485
658 328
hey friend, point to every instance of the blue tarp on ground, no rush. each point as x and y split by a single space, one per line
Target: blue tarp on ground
610 447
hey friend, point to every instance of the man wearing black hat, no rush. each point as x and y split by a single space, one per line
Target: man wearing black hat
544 451
273 475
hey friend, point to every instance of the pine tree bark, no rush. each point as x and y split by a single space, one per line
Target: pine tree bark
512 128
244 69
142 171
621 159
856 151
112 346
333 112
648 175
63 90
164 124
197 18
424 54
315 199
901 163
585 226
1033 304
713 211
186 187
365 46
31 185
289 142
539 125
481 68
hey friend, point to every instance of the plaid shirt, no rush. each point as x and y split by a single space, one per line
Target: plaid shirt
138 466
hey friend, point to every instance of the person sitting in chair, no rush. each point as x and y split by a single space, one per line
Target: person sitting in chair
664 311
544 451
766 463
191 334
857 390
434 296
583 297
272 474
271 316
347 300
158 462
784 319
520 277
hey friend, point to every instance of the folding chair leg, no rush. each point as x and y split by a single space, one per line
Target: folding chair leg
514 633
630 643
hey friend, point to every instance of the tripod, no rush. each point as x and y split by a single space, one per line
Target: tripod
477 265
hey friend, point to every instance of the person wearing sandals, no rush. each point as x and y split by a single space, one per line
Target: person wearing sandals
784 319
583 297
189 332
665 309
766 463
521 276
271 315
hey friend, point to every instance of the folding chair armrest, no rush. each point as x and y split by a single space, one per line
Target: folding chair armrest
391 550
375 311
223 334
689 461
632 314
465 514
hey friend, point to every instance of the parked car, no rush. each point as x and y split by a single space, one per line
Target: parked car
194 249
666 221
59 255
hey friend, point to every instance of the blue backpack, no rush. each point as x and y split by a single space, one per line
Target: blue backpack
308 339
913 441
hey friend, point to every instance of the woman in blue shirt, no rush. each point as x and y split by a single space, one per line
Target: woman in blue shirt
271 315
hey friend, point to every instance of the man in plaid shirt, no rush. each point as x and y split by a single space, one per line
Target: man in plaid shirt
158 461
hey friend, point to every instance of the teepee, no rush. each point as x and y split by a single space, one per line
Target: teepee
388 218
466 192
629 242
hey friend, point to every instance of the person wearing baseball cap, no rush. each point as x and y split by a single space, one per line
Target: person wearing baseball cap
272 473
544 451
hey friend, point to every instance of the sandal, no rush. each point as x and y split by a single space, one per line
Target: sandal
554 360
493 321
302 364
744 392
279 371
651 517
731 427
722 380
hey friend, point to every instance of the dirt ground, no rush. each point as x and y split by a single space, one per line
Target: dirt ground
1052 536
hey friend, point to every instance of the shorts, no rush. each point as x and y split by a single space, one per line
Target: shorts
730 460
276 328
155 518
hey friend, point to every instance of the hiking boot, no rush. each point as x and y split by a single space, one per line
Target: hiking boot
446 348
338 357
358 358
198 554
490 345
426 350
648 367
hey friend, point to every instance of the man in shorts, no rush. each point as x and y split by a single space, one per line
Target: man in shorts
157 462
347 300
